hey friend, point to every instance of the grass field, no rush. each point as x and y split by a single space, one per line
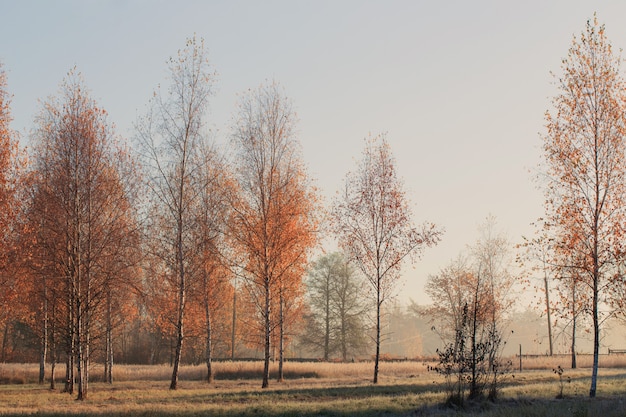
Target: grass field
315 389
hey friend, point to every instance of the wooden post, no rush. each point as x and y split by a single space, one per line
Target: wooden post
520 357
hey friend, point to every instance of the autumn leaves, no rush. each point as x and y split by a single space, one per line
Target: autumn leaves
177 232
585 181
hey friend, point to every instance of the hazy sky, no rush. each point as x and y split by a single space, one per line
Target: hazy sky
460 87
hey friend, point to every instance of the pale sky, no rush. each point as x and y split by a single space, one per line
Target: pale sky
460 87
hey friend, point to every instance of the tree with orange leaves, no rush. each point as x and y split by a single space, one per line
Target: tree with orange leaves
274 218
11 167
212 210
586 172
374 225
82 211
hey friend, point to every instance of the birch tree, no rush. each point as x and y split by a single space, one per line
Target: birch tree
374 225
172 136
212 212
585 170
81 207
274 218
11 167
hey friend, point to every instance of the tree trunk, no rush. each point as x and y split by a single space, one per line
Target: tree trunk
234 327
344 337
5 339
108 351
53 348
327 323
86 361
596 340
377 357
80 354
574 317
53 364
70 344
44 337
547 290
281 339
178 351
474 383
207 317
53 354
69 374
181 304
267 329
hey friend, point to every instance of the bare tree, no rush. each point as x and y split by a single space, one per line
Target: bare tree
336 321
471 298
373 222
172 136
537 253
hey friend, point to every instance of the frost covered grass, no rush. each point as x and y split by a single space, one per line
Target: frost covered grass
313 389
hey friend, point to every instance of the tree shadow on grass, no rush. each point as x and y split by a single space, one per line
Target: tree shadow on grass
277 402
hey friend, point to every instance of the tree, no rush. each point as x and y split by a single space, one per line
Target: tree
172 139
573 302
290 312
492 261
571 299
216 190
473 351
471 297
14 286
374 226
274 218
81 208
585 171
537 252
404 338
321 278
450 290
336 320
11 166
8 174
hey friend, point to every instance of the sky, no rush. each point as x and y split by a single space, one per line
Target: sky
460 88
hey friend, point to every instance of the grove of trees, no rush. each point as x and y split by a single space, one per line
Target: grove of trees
173 247
337 320
82 232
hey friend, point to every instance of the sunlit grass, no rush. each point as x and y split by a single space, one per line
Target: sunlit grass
227 370
314 389
582 361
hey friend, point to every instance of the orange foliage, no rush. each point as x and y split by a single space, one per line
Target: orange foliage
274 218
11 166
584 149
86 237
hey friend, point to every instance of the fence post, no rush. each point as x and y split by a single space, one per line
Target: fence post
520 357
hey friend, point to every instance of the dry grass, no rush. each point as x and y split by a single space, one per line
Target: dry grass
582 361
313 389
237 370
